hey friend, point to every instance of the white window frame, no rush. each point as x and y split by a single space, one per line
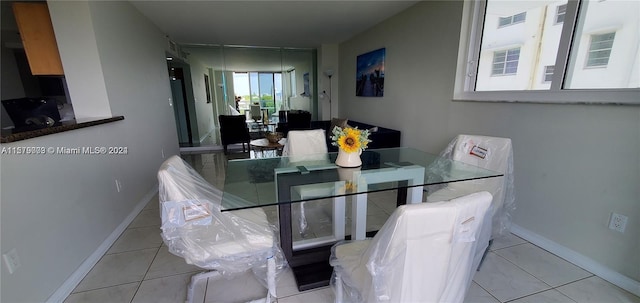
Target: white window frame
469 50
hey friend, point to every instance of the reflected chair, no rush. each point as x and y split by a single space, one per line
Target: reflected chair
233 130
226 243
256 116
423 253
493 153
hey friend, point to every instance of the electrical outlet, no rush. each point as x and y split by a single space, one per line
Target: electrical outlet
618 222
11 260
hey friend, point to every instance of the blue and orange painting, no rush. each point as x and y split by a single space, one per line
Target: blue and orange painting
370 74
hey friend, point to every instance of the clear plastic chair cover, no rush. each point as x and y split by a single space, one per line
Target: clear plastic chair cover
423 253
493 153
194 228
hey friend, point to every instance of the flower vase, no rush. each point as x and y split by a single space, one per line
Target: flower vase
346 159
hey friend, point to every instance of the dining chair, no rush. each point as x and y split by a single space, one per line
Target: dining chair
493 153
309 148
225 243
233 129
423 253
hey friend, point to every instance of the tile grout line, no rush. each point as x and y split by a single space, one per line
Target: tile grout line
145 274
553 287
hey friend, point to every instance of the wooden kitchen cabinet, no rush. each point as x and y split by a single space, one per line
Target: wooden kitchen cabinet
38 38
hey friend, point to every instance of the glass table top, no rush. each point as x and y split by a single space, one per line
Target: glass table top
253 182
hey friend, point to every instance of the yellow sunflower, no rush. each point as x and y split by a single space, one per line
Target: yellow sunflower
350 142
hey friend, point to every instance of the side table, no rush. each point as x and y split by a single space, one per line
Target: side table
263 145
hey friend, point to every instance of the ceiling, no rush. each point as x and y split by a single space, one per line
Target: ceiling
300 24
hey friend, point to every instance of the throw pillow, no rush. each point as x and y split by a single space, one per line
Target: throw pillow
338 122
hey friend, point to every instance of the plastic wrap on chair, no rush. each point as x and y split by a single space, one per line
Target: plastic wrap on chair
493 153
301 143
423 253
193 227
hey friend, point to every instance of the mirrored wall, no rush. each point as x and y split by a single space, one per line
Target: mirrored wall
221 80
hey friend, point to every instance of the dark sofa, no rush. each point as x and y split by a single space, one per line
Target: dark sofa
381 138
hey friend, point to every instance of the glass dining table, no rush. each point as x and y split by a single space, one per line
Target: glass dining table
287 181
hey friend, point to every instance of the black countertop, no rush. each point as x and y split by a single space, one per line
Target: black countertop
12 135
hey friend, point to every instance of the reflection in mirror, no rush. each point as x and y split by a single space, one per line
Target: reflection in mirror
242 76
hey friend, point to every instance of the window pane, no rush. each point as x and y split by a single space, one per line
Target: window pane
605 51
561 12
255 93
504 21
266 88
277 86
533 44
548 73
519 17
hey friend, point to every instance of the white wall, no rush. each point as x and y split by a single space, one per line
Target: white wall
58 209
574 164
328 59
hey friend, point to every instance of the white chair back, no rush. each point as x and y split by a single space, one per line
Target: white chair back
493 153
177 182
306 145
424 252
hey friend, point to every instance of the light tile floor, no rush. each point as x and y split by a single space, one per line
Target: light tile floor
139 268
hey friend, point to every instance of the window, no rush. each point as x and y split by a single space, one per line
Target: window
561 10
505 62
506 21
590 56
548 73
264 88
600 50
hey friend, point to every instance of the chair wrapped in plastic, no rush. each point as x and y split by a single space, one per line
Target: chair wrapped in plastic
194 228
309 148
423 253
493 153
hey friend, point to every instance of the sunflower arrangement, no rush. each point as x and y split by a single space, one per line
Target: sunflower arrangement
350 139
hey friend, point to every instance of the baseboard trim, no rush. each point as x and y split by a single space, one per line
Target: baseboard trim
70 284
578 259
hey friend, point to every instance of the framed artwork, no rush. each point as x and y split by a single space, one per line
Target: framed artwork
370 74
207 88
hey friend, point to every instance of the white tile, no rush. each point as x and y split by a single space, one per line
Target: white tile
167 289
153 203
115 294
506 241
595 289
146 218
137 238
286 284
549 296
324 294
506 281
116 269
168 264
478 295
239 288
542 264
